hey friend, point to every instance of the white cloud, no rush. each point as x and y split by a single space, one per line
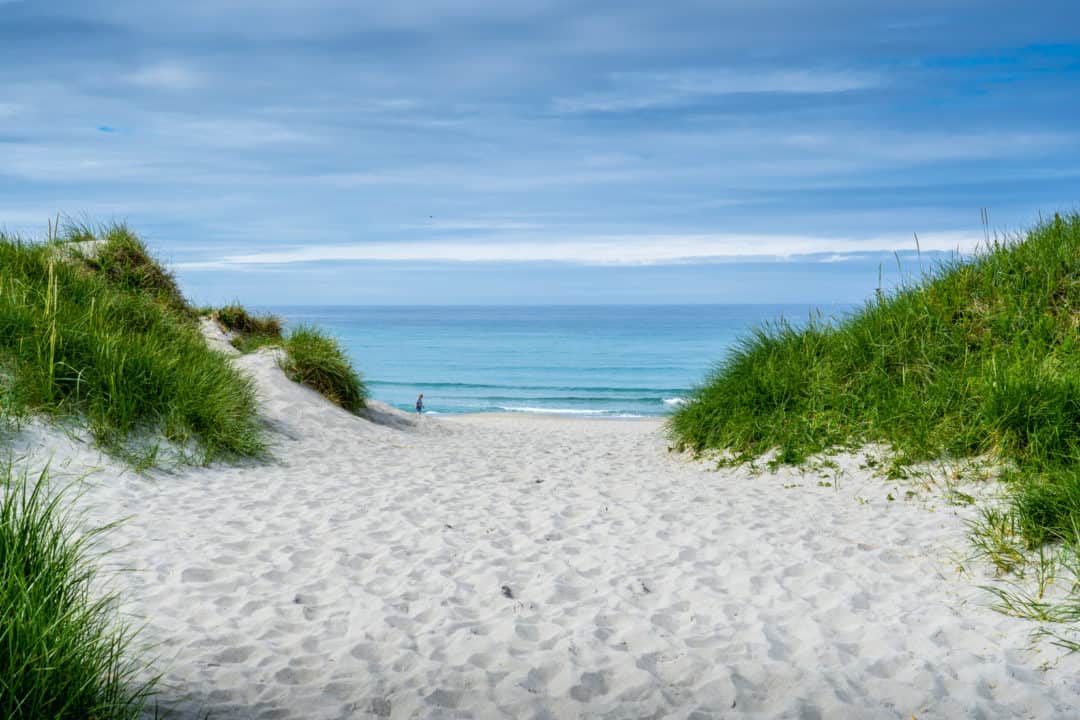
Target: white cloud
475 225
499 180
808 82
229 132
597 250
640 91
962 146
780 152
170 76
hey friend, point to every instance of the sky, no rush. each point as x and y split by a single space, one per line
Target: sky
501 152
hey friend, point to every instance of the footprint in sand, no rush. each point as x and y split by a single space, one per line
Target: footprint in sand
198 575
380 707
295 676
234 655
538 678
365 651
308 605
444 699
592 684
480 660
527 632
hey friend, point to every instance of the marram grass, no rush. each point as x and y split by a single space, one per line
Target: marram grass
116 254
315 360
982 357
310 357
100 336
236 318
63 652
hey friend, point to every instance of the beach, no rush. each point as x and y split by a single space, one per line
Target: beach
554 361
486 566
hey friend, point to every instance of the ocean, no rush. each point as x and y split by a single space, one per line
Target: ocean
597 361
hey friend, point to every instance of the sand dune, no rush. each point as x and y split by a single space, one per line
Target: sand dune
510 566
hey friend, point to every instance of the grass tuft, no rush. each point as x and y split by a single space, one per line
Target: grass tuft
118 256
315 360
236 318
310 357
62 651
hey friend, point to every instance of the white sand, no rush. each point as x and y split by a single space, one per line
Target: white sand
511 566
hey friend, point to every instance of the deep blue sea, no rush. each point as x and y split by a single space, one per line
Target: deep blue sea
600 361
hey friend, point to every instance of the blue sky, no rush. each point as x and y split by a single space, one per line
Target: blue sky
483 151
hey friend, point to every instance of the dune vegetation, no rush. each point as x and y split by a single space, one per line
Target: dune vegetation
250 331
64 653
309 356
94 331
980 358
316 360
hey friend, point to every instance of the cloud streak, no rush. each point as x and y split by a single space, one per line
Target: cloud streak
646 91
167 76
624 250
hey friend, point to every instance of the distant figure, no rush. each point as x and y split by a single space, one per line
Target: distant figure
420 404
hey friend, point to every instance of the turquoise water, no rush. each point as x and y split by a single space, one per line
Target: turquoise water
601 361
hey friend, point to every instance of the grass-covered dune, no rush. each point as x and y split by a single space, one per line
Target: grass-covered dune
315 360
310 357
980 358
93 329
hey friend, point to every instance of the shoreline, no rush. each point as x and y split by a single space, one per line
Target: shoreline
659 419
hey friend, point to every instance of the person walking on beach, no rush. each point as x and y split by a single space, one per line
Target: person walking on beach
420 404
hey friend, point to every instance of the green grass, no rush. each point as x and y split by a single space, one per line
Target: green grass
250 332
63 652
310 357
236 318
315 360
250 343
117 255
105 337
980 358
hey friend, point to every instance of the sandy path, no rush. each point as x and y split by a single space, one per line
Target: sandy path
495 566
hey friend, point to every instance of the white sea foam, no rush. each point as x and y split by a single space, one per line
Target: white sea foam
565 411
675 401
551 411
